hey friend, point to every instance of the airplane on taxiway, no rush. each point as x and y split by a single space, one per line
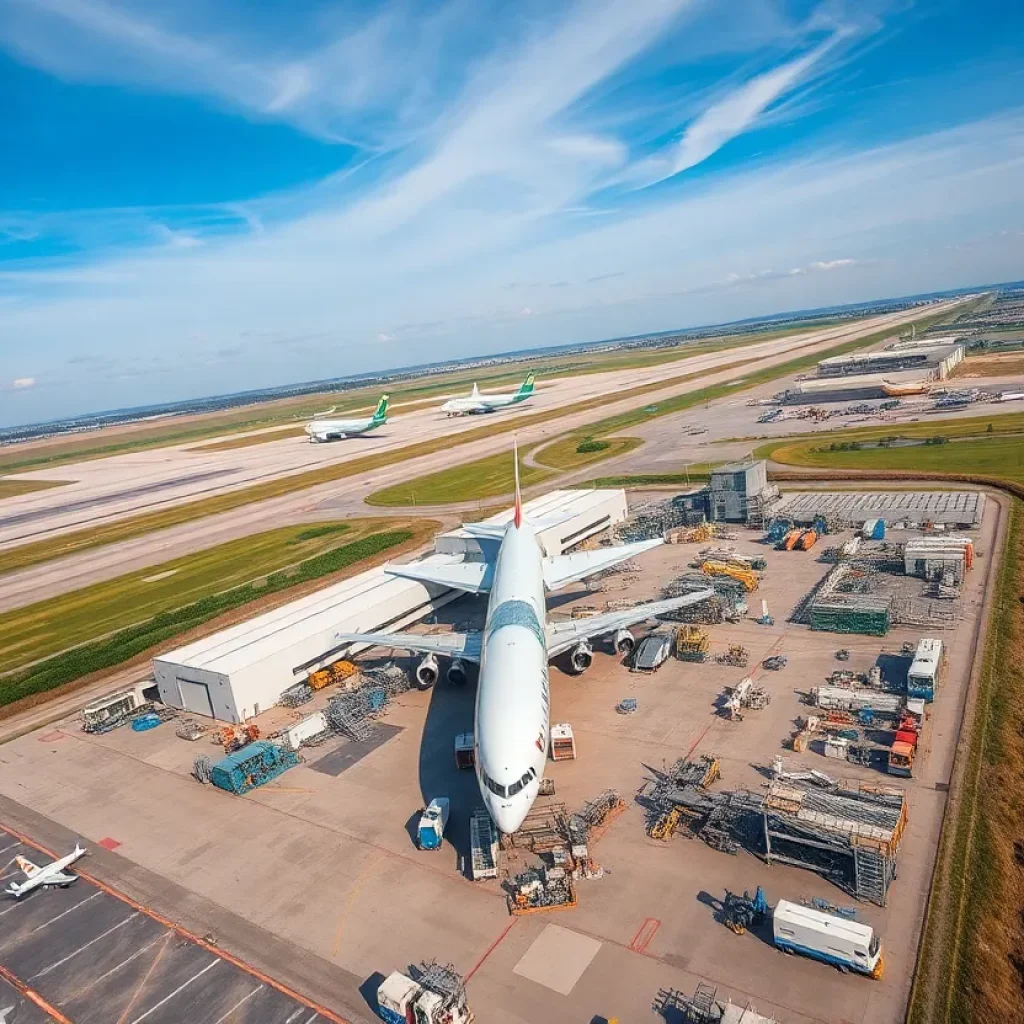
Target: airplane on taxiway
478 404
333 430
50 874
511 730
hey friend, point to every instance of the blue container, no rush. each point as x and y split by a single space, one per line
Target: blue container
144 722
252 766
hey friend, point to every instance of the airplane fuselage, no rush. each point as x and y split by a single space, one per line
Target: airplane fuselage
512 700
336 430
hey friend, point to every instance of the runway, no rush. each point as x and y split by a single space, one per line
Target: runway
346 497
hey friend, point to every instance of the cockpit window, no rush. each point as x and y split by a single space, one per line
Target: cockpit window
496 788
520 784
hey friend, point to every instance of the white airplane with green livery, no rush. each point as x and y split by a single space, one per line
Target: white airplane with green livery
334 430
477 404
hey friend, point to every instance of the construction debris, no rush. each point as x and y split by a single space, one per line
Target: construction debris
703 1007
538 890
746 694
692 643
626 706
737 656
775 662
296 695
190 729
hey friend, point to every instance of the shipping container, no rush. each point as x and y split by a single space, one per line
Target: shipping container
846 944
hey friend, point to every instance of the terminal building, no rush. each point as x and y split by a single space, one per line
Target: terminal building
236 673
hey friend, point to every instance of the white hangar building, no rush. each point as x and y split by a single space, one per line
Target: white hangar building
238 672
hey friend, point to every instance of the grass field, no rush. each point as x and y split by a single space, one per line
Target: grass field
470 481
57 641
969 964
699 473
563 454
11 487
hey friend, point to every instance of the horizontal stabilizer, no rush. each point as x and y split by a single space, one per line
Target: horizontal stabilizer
451 645
563 635
562 569
473 577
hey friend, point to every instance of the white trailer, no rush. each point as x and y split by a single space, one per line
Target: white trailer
848 945
844 698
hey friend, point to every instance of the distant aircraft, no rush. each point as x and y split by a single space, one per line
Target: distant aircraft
478 404
511 730
51 874
333 430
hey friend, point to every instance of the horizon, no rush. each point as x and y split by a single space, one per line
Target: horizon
212 198
160 410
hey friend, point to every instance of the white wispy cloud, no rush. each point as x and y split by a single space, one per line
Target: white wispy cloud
23 383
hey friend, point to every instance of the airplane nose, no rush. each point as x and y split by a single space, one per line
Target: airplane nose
508 819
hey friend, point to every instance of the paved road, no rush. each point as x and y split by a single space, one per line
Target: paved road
89 956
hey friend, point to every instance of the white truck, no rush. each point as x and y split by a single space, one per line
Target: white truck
436 995
845 944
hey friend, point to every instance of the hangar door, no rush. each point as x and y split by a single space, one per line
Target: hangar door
195 697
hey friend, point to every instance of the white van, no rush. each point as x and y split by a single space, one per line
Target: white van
827 937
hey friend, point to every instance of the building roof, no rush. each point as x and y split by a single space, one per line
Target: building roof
795 913
353 605
737 467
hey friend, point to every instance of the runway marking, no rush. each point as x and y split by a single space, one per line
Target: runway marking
176 929
32 996
123 963
142 984
66 912
309 1020
244 999
11 847
295 1015
645 933
46 970
180 988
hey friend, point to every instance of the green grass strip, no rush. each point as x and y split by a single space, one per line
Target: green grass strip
128 643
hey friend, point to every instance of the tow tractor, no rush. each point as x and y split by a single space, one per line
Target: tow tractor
430 831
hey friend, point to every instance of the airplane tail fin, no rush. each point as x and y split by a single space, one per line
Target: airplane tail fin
380 414
519 498
526 388
475 393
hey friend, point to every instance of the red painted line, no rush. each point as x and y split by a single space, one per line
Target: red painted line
645 934
184 933
32 996
490 949
696 742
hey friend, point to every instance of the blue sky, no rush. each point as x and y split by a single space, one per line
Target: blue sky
199 197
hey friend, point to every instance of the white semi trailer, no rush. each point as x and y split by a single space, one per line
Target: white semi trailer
845 944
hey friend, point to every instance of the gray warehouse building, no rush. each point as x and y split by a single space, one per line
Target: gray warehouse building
740 492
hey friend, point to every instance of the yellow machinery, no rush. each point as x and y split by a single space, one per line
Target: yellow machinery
665 826
336 673
741 573
692 643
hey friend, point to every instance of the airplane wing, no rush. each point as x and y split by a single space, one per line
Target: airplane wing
59 879
563 635
562 569
473 577
466 646
27 866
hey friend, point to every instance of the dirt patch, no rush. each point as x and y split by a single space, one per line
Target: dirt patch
1010 365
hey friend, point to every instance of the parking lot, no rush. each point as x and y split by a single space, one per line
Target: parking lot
84 954
322 858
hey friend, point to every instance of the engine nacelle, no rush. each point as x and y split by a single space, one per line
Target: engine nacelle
427 672
624 642
457 673
581 657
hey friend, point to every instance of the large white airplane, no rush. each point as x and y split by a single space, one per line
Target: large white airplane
477 404
512 700
51 874
333 430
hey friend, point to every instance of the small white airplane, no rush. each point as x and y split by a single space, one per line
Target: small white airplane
478 404
511 727
333 430
51 874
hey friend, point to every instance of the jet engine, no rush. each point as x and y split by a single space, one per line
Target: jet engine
457 672
427 672
624 642
581 657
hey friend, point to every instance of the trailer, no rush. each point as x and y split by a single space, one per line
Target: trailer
845 944
483 843
435 994
846 698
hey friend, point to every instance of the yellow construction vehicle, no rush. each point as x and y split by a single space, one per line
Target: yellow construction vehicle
742 574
